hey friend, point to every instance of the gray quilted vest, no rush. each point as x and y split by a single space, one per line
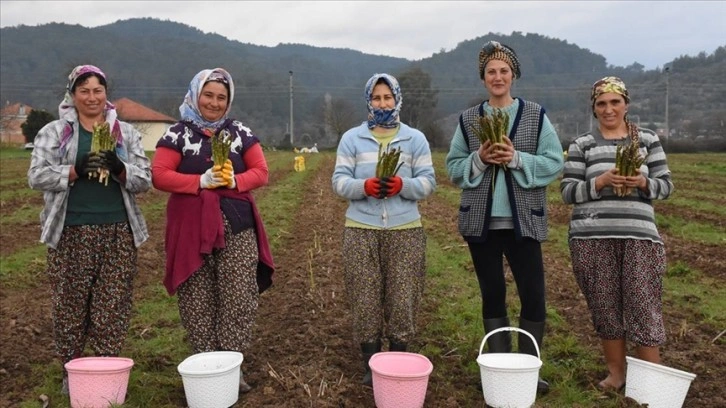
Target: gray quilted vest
529 206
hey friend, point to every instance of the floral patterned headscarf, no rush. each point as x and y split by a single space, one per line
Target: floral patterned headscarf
189 109
67 108
608 84
385 118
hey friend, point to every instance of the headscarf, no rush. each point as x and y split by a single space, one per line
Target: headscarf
385 118
606 85
189 109
493 50
67 108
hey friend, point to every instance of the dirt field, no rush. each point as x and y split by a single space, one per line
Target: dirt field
304 354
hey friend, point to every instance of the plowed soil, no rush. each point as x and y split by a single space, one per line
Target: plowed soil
304 354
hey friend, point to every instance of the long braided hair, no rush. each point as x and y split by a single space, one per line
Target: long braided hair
633 131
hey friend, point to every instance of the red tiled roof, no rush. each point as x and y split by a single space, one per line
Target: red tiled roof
14 109
12 117
130 111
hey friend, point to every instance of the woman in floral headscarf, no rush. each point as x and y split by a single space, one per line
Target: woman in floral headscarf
617 254
384 243
503 210
218 258
92 229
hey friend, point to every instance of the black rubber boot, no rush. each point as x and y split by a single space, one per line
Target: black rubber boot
395 346
243 386
536 329
369 349
502 341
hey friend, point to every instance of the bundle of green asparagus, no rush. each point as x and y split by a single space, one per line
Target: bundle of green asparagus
101 139
388 164
221 144
493 127
628 159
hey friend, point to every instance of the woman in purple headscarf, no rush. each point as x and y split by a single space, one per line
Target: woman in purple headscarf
92 229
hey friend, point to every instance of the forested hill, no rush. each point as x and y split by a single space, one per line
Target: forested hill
152 61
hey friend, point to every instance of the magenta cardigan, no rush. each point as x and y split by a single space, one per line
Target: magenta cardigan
194 227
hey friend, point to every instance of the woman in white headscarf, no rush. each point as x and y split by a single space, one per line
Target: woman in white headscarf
218 258
92 229
384 242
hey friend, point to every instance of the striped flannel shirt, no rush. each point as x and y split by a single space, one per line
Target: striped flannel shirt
50 170
603 214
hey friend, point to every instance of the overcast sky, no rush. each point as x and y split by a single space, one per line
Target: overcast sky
649 32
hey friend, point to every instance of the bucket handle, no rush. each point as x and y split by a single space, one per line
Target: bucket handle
536 347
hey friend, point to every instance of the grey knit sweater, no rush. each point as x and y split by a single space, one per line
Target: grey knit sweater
603 214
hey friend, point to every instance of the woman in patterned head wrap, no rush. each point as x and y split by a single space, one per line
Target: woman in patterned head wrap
218 257
92 229
384 242
503 210
618 257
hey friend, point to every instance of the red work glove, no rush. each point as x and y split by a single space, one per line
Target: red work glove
372 187
393 185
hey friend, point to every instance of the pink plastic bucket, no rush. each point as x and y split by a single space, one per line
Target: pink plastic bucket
98 382
400 379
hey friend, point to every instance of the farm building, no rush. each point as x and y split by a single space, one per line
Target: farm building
150 123
11 117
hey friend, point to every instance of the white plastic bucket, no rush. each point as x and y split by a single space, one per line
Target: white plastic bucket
509 380
656 385
211 380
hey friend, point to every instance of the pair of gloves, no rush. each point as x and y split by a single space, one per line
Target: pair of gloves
218 176
92 162
383 187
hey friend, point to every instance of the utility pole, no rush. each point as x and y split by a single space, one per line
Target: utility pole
291 133
667 125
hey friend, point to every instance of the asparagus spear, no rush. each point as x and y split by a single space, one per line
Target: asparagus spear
388 162
492 127
221 144
627 158
101 139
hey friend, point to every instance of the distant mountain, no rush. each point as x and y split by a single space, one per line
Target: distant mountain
152 61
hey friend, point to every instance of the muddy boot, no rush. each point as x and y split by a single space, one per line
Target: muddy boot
369 349
396 346
243 386
536 329
502 341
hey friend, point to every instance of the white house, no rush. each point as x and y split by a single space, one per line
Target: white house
151 124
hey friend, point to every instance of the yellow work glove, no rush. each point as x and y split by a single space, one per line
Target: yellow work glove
226 173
